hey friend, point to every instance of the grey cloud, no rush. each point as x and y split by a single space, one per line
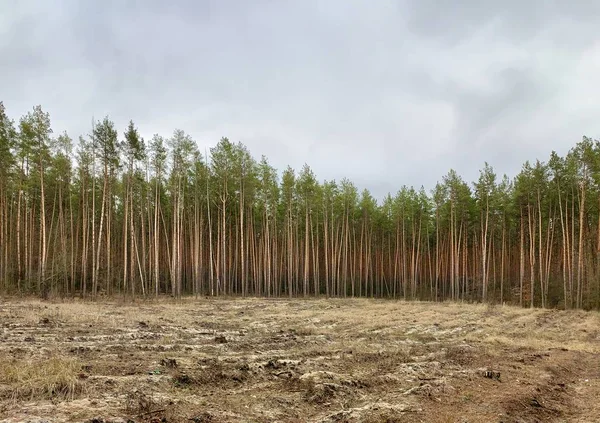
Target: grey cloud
453 22
385 93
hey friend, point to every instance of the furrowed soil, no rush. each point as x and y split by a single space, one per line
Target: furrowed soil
266 360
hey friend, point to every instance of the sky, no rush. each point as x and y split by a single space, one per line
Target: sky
385 93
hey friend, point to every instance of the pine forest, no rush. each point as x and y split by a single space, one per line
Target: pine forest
112 214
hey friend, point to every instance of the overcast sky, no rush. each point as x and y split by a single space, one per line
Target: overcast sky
383 92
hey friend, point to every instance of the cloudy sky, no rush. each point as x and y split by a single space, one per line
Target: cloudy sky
383 92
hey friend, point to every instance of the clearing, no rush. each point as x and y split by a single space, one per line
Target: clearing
315 360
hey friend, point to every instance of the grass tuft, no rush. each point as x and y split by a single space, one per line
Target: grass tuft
48 379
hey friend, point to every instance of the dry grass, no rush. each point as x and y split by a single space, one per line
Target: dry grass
54 378
317 360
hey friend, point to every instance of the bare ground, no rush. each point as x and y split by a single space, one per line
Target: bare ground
263 360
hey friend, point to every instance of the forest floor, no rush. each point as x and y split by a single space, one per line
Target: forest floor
316 360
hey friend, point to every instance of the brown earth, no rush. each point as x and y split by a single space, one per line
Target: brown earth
267 360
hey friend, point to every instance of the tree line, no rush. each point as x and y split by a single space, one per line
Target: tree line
114 214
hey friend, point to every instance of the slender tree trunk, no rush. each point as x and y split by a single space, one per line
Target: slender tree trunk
531 220
98 249
522 259
580 251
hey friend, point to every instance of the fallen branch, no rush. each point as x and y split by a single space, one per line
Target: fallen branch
151 412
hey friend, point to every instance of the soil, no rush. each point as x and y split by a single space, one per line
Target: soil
314 360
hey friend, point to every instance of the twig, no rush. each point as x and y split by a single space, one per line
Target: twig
151 412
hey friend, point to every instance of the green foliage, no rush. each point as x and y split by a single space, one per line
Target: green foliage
7 144
105 144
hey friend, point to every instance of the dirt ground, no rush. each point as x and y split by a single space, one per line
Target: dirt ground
275 360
